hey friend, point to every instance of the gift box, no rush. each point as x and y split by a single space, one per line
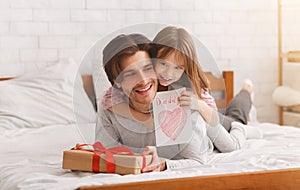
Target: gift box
119 160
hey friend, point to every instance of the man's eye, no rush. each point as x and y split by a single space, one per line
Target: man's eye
128 74
150 68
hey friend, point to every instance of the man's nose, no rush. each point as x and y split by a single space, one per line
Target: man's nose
142 75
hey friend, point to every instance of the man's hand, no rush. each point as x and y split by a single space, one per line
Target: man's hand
157 164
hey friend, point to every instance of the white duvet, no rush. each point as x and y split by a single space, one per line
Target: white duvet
31 158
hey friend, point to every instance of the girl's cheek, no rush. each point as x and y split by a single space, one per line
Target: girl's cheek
158 69
178 75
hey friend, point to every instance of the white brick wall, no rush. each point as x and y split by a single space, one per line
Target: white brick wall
55 15
29 28
88 15
4 28
35 4
15 15
66 28
39 55
113 4
67 4
241 34
18 42
4 4
57 41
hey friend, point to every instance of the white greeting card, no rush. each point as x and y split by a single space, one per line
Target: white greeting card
172 123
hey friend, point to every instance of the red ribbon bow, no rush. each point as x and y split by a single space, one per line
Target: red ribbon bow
99 149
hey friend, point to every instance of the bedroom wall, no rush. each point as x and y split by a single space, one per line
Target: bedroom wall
242 34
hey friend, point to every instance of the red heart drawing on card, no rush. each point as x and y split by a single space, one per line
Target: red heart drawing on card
172 122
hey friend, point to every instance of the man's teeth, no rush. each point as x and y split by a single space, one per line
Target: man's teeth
145 89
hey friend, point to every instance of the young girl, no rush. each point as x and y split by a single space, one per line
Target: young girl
177 66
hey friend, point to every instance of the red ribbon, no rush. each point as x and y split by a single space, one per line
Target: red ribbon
99 149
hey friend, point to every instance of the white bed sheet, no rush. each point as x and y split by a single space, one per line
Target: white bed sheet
31 158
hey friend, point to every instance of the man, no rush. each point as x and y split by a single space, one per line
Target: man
129 68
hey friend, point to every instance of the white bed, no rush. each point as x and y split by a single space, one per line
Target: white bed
32 140
31 158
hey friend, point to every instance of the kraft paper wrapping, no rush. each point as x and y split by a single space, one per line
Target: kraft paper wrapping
83 161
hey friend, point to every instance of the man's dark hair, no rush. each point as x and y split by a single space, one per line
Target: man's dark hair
119 48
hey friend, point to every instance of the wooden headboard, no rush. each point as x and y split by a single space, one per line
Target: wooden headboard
223 87
88 86
3 79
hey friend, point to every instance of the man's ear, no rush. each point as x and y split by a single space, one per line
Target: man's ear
118 85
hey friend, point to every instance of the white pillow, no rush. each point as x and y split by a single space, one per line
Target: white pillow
45 98
286 96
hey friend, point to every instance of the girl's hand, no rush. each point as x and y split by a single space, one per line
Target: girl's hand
189 100
157 164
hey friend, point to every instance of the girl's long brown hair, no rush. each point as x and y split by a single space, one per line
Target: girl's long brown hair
177 40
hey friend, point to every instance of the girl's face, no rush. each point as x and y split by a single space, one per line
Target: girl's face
168 70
